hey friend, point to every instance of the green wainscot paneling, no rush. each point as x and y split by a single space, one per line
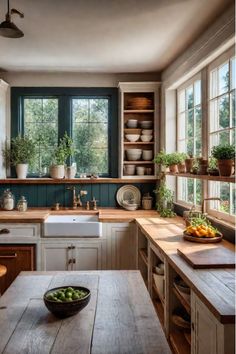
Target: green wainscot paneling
45 195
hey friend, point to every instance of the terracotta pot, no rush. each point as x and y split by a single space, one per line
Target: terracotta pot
189 164
181 167
225 167
174 168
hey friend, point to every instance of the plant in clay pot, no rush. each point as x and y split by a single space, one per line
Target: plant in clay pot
212 167
62 152
189 163
181 164
21 153
225 155
173 160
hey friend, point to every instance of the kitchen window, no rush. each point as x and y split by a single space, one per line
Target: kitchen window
222 116
189 136
88 115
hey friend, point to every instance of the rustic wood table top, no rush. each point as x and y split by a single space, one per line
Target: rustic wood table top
119 318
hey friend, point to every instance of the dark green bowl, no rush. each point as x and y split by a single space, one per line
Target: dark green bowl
66 309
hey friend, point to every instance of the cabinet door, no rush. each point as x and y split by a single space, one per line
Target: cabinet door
87 256
16 258
122 241
204 328
57 256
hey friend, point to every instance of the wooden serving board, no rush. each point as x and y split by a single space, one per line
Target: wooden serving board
208 256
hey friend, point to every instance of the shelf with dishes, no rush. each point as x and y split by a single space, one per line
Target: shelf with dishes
138 143
139 111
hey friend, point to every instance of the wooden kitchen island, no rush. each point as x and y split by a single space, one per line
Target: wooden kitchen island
119 318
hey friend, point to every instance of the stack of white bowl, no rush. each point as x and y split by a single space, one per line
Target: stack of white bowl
147 155
132 123
132 137
129 170
146 135
133 154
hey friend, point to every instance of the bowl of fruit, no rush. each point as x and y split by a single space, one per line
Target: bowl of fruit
201 230
67 300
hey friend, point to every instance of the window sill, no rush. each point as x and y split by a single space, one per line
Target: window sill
99 180
230 179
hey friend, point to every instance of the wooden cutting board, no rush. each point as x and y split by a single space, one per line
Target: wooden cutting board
208 256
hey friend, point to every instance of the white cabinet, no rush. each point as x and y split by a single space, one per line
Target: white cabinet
73 255
209 336
121 246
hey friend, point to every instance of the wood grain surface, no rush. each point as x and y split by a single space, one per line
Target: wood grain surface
120 317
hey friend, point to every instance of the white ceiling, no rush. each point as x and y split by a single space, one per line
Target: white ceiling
111 36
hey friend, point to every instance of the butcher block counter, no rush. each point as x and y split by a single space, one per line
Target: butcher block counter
119 318
38 215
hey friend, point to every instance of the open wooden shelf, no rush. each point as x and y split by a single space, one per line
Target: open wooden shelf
139 111
139 162
179 343
143 255
230 179
158 294
182 300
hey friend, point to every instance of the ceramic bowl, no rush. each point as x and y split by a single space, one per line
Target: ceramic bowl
129 169
146 124
146 138
132 137
133 154
66 309
147 155
140 170
132 123
147 131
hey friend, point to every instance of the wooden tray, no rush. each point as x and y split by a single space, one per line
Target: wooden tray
203 239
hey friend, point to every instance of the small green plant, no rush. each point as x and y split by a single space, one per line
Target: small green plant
223 152
64 150
182 156
175 158
21 151
212 164
165 198
161 158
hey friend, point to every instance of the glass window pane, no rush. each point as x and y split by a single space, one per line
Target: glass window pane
181 126
189 97
224 137
214 140
41 125
223 73
190 188
90 134
197 92
190 127
233 73
198 194
190 147
198 146
233 199
224 112
198 121
213 116
232 107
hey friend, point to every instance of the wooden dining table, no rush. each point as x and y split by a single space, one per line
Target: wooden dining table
119 319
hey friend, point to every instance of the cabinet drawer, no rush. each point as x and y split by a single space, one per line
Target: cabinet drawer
19 230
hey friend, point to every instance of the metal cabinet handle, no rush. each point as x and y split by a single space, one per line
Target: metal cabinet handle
11 255
4 231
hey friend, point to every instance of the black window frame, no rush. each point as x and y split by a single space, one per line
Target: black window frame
65 96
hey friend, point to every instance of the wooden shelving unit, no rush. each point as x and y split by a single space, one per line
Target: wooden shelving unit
230 179
159 310
128 92
182 300
143 255
179 343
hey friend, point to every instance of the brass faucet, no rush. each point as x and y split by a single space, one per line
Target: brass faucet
77 199
206 199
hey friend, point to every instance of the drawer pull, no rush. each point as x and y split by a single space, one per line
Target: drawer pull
4 231
11 255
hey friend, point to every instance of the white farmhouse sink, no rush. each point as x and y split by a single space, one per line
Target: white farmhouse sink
72 225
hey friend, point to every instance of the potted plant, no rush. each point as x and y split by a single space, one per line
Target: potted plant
181 164
173 160
189 160
225 155
62 152
161 159
21 154
212 167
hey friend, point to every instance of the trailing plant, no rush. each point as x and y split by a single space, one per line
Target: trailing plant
22 150
64 150
223 152
165 199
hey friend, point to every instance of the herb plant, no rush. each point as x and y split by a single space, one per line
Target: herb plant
21 151
165 200
64 150
223 152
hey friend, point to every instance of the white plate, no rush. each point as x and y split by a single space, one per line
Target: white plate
128 192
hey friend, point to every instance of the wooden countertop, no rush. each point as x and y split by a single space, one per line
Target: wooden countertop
215 287
119 318
37 215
